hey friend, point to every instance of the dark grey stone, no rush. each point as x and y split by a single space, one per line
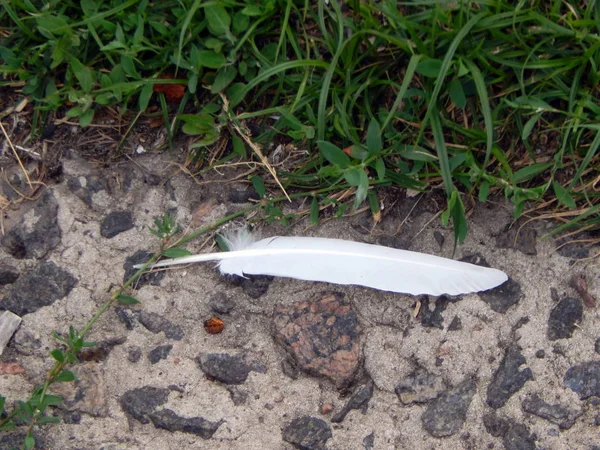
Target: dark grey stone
134 354
432 318
40 287
447 414
401 242
455 325
8 274
358 400
495 425
139 403
72 418
519 238
514 436
221 303
169 420
37 240
508 379
156 323
597 346
226 368
557 414
127 316
369 441
439 238
307 433
160 352
420 386
558 349
500 299
574 250
254 286
14 439
73 184
476 258
86 190
540 354
242 194
101 350
584 379
564 318
140 257
115 223
13 188
519 437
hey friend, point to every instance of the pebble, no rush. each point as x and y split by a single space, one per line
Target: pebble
557 414
198 426
148 278
525 239
564 318
101 350
508 379
160 352
447 414
41 287
85 187
116 223
500 299
37 239
358 400
433 318
8 274
226 368
515 436
142 405
156 323
307 433
322 335
584 379
134 354
138 403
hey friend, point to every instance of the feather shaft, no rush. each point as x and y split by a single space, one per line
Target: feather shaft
352 263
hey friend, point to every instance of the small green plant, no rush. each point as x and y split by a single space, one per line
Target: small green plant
166 227
33 411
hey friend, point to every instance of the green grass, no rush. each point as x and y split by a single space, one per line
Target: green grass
470 97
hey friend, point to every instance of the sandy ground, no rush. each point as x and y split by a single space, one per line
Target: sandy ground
393 341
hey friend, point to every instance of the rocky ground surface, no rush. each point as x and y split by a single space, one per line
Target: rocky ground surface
297 364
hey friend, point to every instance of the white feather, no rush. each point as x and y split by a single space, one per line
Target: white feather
345 262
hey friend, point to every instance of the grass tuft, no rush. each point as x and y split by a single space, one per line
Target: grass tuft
473 97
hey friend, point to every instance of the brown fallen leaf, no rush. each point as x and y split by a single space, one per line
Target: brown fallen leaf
173 92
